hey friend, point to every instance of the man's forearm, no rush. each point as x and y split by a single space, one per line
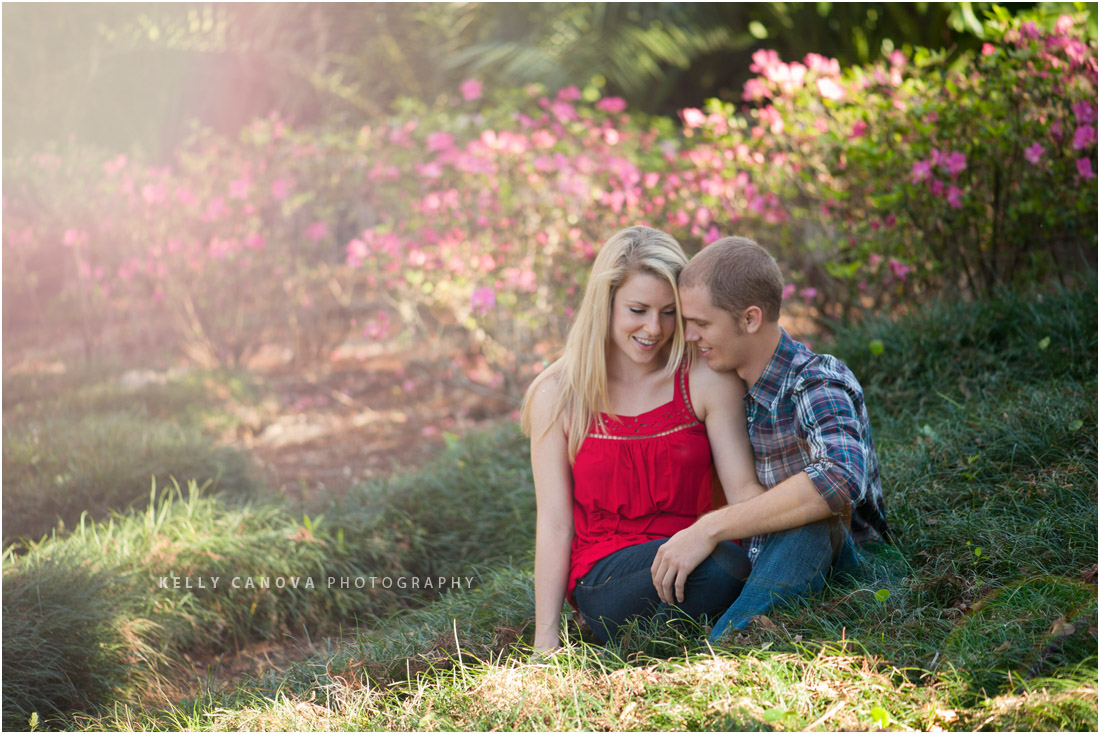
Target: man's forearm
792 503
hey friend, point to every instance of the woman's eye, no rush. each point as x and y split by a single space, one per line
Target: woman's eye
637 310
669 313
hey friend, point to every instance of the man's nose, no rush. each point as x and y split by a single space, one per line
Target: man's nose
690 333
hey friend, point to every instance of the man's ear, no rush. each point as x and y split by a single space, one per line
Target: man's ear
752 319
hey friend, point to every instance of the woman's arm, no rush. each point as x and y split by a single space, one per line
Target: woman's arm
721 407
554 526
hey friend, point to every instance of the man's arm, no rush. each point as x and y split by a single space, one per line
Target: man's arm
792 503
828 420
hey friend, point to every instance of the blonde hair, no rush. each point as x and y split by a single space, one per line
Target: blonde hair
581 371
738 273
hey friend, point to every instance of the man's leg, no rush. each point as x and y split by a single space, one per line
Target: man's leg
792 563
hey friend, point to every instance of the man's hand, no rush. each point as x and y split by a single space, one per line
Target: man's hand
676 559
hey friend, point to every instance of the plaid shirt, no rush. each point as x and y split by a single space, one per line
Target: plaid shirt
806 413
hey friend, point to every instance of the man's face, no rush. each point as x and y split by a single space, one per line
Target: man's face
720 338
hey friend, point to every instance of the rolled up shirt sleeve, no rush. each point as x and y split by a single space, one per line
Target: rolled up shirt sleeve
831 426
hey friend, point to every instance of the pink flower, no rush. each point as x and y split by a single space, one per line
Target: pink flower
569 94
788 290
1034 154
1056 130
829 89
1029 30
891 220
215 209
471 89
280 189
357 251
936 187
154 194
441 140
239 189
988 49
858 130
897 59
255 242
899 269
755 90
921 171
612 105
875 259
1085 112
711 235
75 238
483 300
1083 137
1064 24
317 231
822 64
693 117
1084 168
954 197
954 163
808 294
430 170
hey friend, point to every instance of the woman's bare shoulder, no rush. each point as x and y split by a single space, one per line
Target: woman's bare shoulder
709 387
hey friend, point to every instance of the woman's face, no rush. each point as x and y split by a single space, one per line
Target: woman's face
643 318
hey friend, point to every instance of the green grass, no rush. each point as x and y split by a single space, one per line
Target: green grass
91 447
981 617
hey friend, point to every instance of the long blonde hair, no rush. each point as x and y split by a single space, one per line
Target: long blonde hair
581 371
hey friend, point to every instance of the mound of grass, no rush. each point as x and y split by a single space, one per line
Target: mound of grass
94 448
273 570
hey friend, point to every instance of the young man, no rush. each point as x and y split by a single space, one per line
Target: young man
810 435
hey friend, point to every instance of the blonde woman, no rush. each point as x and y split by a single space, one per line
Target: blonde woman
624 431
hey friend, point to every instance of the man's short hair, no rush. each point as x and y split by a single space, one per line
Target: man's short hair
739 273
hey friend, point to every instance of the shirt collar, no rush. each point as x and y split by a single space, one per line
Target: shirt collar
766 389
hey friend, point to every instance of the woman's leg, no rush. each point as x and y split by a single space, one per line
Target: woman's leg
620 587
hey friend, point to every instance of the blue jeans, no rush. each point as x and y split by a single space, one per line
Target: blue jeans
620 588
791 564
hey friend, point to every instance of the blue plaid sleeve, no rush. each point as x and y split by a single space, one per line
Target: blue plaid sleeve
829 422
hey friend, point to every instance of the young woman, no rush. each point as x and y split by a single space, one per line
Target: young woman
624 429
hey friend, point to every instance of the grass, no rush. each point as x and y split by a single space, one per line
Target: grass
72 448
981 617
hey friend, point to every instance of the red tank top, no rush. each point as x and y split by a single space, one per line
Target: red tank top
639 479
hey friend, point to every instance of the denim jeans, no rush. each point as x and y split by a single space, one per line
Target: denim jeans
620 588
791 564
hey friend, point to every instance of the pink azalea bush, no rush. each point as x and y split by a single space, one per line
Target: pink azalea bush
968 178
478 216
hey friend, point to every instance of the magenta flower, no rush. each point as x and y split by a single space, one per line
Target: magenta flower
755 90
316 231
897 59
280 189
1085 112
693 117
808 294
899 269
954 197
829 89
1034 154
1083 137
788 290
988 49
858 130
483 300
954 163
471 89
440 140
569 94
1084 168
936 187
921 171
891 220
612 105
